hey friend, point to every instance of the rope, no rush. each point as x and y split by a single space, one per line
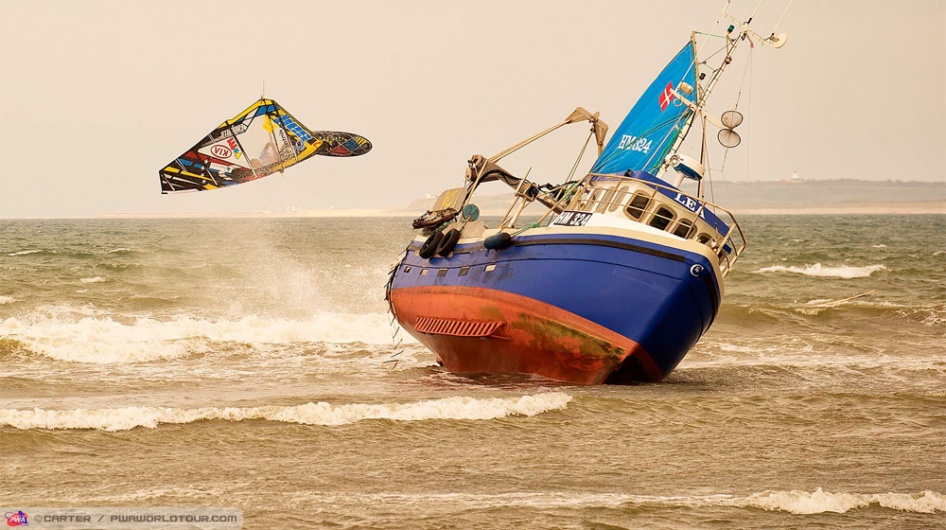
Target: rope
752 16
744 75
710 56
709 179
396 339
749 125
783 16
710 34
746 80
581 154
533 225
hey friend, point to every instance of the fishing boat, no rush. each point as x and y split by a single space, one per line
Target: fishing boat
623 271
262 140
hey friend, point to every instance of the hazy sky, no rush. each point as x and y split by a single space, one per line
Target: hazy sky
96 96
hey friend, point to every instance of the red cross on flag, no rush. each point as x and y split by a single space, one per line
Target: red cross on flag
666 97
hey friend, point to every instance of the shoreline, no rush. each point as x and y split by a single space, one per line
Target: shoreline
938 208
918 208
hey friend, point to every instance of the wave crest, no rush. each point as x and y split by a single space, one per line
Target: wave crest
819 501
818 270
25 252
321 413
106 341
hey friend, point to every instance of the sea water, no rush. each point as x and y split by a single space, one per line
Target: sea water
242 363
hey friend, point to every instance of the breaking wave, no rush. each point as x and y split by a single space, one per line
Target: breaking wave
795 502
817 269
25 252
7 300
321 413
819 501
102 340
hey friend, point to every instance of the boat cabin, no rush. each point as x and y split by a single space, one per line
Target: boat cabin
641 197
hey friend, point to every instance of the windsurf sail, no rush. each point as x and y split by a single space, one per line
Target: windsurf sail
648 132
261 140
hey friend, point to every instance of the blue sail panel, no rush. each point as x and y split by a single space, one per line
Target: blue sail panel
642 140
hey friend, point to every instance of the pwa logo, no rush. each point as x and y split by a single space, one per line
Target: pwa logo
17 518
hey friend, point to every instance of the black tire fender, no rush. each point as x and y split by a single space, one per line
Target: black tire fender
448 242
430 246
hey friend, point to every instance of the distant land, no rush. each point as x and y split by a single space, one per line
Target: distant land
831 197
796 196
786 197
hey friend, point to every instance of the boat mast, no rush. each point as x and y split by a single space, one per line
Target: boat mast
701 98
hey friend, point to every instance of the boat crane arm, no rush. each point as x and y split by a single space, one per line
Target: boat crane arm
579 114
481 169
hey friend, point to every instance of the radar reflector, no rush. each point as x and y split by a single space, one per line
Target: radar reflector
731 119
729 138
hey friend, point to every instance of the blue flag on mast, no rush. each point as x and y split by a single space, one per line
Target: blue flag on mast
642 140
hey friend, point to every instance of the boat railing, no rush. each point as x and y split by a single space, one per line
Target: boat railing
666 208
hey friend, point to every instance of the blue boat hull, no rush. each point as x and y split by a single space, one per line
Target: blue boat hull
585 308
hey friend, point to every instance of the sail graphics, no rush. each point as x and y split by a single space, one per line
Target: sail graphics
261 140
648 132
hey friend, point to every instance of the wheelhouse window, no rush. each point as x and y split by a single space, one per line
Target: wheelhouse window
638 205
684 228
662 218
618 199
704 238
589 202
605 200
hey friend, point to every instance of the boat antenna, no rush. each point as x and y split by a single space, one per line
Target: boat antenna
781 17
773 40
735 33
262 92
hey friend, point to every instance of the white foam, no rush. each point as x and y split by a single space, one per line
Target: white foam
795 502
819 301
881 245
24 252
126 418
807 352
817 269
101 340
93 279
7 300
935 320
819 501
